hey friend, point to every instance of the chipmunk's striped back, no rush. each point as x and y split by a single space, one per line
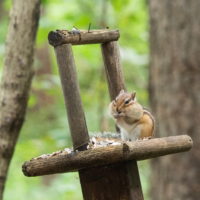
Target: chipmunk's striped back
148 125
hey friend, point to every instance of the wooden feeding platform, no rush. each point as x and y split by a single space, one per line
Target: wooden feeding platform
108 169
107 152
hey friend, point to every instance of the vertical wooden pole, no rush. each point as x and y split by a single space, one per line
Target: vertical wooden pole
112 182
113 69
115 80
76 117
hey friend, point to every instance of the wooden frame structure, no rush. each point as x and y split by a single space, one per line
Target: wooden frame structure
106 173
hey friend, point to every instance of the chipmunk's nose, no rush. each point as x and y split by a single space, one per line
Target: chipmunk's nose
118 111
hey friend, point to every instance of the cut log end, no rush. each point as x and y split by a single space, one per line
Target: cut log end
68 161
60 37
54 37
24 169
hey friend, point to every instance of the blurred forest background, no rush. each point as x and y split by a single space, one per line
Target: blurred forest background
46 129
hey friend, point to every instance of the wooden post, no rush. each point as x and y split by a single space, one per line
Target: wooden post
115 80
60 37
76 117
113 69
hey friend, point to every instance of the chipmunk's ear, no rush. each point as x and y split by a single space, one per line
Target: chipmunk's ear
121 92
133 95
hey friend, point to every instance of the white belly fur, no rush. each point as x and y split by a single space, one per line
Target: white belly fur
129 132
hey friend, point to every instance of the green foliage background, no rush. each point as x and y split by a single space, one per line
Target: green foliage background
46 129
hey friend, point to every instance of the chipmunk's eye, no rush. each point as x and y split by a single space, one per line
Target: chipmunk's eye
127 101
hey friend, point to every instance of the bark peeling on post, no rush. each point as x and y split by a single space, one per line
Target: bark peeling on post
76 117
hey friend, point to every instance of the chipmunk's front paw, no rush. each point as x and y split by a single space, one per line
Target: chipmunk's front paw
146 138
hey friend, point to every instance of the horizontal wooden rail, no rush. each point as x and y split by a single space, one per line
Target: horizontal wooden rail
137 150
60 37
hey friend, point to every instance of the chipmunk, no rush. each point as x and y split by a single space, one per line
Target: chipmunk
133 120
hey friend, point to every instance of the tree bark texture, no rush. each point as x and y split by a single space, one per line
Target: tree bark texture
174 94
16 78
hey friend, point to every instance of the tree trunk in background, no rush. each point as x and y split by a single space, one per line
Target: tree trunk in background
16 78
2 11
175 94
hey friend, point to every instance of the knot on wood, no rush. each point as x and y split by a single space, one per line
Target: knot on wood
125 150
